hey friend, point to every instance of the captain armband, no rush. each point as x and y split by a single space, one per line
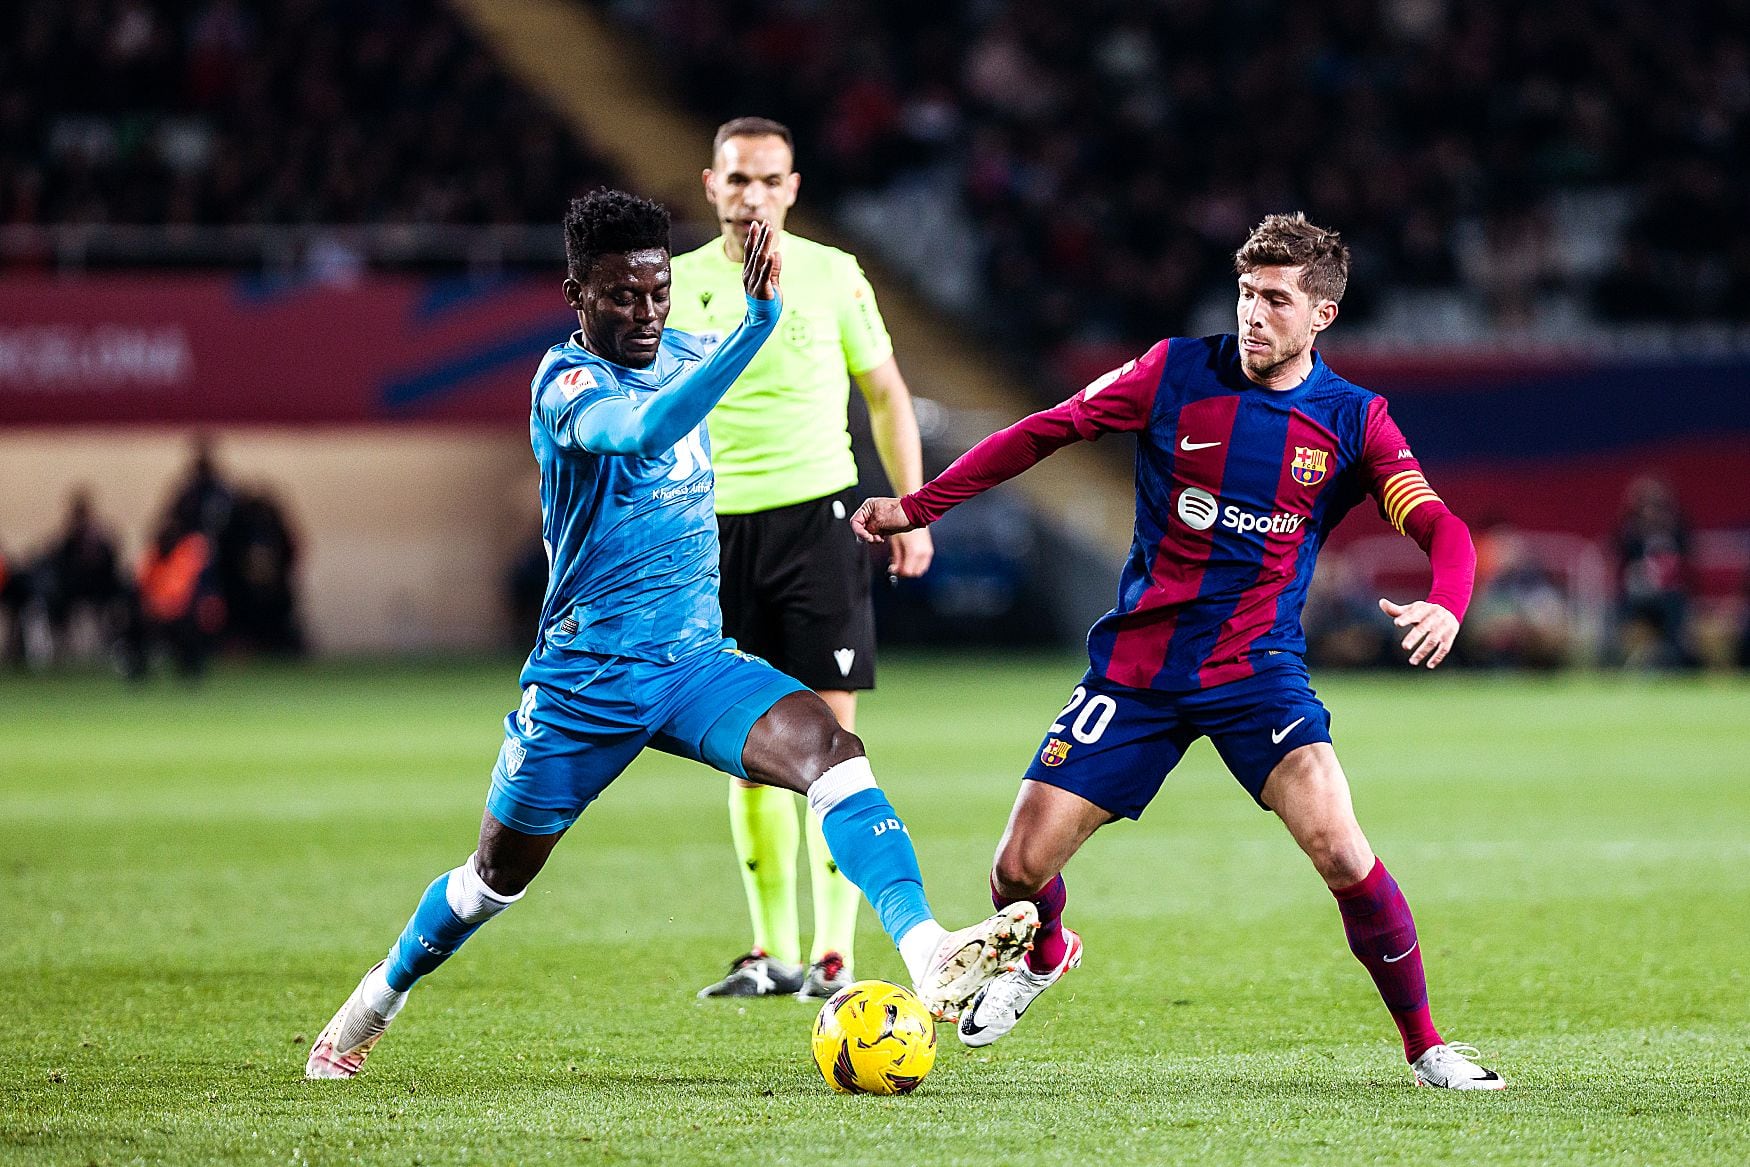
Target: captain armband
1403 493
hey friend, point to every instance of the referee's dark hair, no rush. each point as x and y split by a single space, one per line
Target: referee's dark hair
752 128
611 222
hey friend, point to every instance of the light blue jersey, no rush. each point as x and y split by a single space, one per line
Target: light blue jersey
631 541
630 651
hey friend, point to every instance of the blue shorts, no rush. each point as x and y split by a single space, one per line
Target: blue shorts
562 747
1115 745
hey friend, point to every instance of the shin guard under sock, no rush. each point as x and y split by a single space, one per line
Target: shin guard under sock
1382 935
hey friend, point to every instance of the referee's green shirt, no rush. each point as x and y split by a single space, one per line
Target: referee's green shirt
779 436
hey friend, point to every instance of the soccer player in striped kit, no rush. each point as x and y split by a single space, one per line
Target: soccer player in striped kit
1250 449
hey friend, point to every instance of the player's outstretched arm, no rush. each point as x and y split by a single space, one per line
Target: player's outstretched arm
1120 401
997 458
651 424
1408 503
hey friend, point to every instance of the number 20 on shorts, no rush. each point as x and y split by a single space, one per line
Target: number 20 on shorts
1096 714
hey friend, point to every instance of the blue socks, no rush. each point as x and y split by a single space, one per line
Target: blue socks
451 910
871 845
867 839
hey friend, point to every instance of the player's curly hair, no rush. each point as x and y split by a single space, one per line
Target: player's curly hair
611 222
1292 241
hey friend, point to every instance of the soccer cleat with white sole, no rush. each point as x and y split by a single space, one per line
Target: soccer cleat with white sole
346 1041
966 960
998 1006
1450 1067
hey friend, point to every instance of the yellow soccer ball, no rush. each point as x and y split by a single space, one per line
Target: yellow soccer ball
874 1037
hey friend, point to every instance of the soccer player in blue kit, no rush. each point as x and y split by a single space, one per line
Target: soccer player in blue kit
630 652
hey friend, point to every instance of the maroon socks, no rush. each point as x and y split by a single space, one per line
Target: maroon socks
1382 935
1049 946
1377 920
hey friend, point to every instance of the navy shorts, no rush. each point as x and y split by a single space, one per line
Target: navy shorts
1115 745
563 747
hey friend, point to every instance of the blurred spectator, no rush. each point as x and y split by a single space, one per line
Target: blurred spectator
77 574
80 572
180 609
1741 657
257 562
14 590
1343 624
1653 578
1520 617
204 500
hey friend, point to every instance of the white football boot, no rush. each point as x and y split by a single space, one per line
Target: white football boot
1450 1066
965 961
999 1005
343 1045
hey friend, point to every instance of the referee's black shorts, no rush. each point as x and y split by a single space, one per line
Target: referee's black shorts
796 591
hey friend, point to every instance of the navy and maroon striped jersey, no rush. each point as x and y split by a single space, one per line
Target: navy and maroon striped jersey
1237 487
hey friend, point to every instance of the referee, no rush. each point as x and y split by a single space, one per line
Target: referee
795 583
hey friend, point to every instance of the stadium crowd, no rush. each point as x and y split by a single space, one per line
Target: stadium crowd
218 112
1572 161
1063 173
217 571
1086 166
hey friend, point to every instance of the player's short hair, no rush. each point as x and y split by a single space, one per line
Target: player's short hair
1292 241
610 222
751 128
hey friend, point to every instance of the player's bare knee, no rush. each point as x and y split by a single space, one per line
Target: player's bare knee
842 746
819 746
796 742
1337 856
502 879
506 869
1016 875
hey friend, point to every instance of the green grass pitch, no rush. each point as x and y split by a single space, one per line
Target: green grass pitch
191 882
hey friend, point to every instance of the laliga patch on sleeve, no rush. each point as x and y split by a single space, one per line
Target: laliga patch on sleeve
1101 382
575 381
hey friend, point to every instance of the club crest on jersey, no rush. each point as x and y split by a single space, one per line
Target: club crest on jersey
1055 751
1309 465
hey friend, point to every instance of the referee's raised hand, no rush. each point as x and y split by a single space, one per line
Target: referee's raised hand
761 263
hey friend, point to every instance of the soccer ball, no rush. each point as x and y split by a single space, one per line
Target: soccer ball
874 1037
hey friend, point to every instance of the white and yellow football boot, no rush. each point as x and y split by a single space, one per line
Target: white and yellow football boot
346 1041
966 960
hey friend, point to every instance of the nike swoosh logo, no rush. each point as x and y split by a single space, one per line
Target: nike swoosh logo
1406 952
972 1028
1187 445
1276 736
